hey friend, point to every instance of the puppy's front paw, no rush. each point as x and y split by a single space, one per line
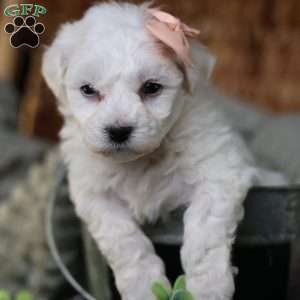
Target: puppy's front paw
141 286
210 287
142 290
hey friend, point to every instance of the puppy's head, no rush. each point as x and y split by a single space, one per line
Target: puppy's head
120 85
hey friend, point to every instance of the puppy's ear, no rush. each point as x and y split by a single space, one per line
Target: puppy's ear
203 64
55 61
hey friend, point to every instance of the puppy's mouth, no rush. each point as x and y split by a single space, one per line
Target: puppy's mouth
122 153
117 149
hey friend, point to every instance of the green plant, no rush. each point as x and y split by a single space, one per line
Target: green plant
179 291
4 295
22 295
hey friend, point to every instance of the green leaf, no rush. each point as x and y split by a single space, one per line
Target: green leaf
160 291
179 283
188 296
181 295
24 295
4 295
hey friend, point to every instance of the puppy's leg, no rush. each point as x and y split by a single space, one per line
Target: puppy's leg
128 251
209 228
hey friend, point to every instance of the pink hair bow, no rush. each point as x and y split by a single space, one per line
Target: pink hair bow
172 32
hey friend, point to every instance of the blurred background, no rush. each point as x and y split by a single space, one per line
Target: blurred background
257 46
256 43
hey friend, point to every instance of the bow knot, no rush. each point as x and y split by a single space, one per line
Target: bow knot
172 32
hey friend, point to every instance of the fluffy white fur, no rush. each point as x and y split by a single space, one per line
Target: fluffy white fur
182 152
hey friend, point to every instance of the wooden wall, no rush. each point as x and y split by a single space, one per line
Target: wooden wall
256 42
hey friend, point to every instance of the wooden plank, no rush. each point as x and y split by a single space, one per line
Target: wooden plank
8 55
255 42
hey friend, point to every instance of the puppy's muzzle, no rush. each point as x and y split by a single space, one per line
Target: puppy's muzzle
119 135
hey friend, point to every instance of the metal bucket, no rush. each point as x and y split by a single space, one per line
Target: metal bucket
272 217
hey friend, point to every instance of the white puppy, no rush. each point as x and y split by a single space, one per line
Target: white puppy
143 136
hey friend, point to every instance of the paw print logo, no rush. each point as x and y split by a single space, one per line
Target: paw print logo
24 32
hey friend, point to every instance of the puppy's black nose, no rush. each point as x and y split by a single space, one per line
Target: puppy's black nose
119 135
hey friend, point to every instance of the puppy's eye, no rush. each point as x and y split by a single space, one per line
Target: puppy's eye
88 91
150 88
